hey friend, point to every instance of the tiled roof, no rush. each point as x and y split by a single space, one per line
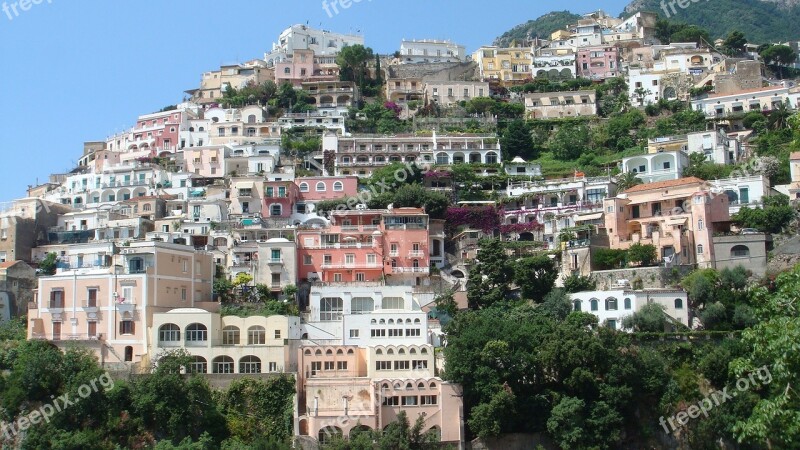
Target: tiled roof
794 155
665 184
8 264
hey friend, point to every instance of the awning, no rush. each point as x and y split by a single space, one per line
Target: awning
593 216
676 221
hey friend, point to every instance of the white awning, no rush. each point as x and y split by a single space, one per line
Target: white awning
593 216
676 221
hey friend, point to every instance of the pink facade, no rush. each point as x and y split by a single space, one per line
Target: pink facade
336 396
206 162
159 131
598 63
297 69
679 217
279 198
314 189
110 307
366 245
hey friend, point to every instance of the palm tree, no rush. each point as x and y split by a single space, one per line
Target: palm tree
627 180
779 117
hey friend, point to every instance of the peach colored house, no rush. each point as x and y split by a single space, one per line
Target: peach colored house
679 217
207 162
109 308
345 389
366 245
314 189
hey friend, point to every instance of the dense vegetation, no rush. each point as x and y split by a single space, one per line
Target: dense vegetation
542 27
529 364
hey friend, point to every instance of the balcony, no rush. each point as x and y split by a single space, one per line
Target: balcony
353 266
90 307
416 254
419 270
275 261
125 306
82 337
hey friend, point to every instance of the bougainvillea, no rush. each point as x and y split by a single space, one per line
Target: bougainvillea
484 218
521 227
329 161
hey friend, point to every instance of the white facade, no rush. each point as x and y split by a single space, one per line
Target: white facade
548 64
765 99
431 51
661 166
303 37
718 147
742 191
612 307
365 316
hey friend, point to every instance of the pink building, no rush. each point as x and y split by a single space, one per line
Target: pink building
207 162
295 70
314 189
339 394
679 217
366 245
109 308
279 198
155 134
598 63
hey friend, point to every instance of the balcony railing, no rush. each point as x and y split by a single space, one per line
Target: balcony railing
411 269
416 254
352 266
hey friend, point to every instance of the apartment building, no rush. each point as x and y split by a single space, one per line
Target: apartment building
155 134
553 65
721 106
504 64
303 37
248 125
205 161
431 51
448 93
214 83
366 245
598 62
332 96
343 390
679 217
24 224
109 306
558 105
746 190
227 344
613 306
361 154
404 90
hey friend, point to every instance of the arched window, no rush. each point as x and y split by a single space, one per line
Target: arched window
678 303
222 364
594 303
307 352
329 434
699 249
318 352
390 352
147 207
409 386
442 158
257 335
230 335
169 332
329 352
700 224
196 333
576 305
338 186
421 386
303 187
321 187
627 303
250 364
339 352
432 386
611 304
350 351
287 71
401 351
378 352
424 351
412 351
198 365
740 251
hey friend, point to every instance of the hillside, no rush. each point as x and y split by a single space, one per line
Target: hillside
541 27
760 20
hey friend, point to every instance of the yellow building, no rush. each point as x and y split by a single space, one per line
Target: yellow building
505 64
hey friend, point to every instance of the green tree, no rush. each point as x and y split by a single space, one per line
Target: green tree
569 142
535 276
650 318
518 141
691 33
776 215
643 254
48 265
779 56
489 276
480 105
487 419
446 303
735 43
557 304
627 180
352 61
578 283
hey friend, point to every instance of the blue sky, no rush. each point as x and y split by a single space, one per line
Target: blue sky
79 70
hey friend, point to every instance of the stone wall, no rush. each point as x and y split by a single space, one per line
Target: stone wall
435 71
517 441
651 277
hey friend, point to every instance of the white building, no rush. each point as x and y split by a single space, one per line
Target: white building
742 191
553 65
431 51
303 37
762 99
660 166
520 167
365 315
612 307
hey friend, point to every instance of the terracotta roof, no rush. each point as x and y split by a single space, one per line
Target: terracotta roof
794 155
665 184
9 264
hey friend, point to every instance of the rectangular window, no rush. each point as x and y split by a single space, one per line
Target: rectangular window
341 365
744 195
402 365
273 367
378 333
395 332
316 366
429 399
330 309
361 305
329 365
277 334
393 303
92 331
383 365
391 401
409 400
420 364
337 278
354 333
91 301
126 327
56 299
360 276
306 260
412 332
